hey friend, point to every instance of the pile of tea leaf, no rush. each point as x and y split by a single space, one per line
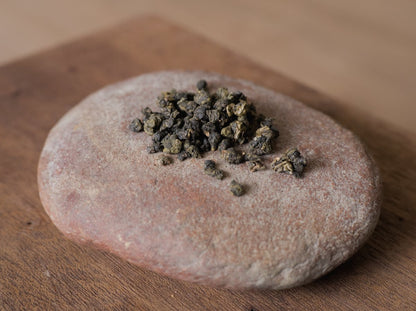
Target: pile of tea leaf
190 124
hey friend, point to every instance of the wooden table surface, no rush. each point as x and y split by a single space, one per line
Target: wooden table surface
41 270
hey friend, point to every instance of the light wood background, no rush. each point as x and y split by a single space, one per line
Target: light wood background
359 52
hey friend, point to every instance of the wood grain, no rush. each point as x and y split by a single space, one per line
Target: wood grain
41 270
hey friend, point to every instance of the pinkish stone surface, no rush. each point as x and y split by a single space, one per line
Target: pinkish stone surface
98 184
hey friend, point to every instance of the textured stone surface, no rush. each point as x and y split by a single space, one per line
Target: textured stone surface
99 185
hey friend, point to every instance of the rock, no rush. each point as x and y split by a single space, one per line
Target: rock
98 184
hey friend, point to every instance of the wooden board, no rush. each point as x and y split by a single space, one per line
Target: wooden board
41 270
